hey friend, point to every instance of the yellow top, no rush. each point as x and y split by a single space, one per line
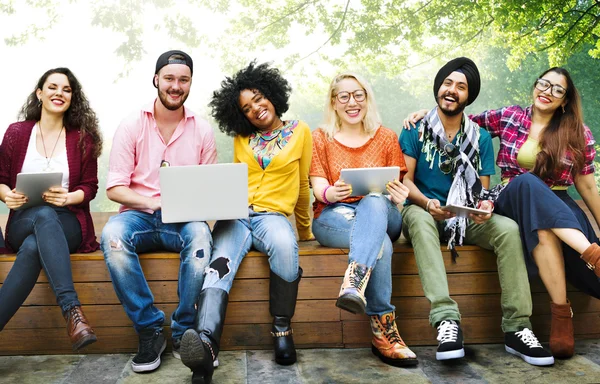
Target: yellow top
283 185
526 159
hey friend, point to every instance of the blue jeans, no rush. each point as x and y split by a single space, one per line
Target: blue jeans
131 232
43 236
368 227
268 232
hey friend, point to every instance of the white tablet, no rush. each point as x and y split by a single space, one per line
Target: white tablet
463 211
34 184
367 180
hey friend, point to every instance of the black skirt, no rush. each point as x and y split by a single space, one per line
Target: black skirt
533 205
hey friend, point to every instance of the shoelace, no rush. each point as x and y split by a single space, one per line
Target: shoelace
391 332
359 277
147 344
74 314
447 332
527 337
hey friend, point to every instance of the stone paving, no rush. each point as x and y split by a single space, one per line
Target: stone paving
483 364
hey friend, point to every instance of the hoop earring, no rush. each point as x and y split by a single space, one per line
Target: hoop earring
40 103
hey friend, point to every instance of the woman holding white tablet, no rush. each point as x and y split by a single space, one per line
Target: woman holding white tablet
59 133
353 137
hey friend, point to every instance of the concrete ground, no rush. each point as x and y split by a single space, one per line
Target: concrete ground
483 364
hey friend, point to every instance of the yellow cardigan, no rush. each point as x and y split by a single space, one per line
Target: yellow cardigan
283 186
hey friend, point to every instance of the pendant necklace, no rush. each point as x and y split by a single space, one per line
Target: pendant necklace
48 168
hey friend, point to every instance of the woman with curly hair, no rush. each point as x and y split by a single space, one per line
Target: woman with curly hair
59 133
353 137
249 107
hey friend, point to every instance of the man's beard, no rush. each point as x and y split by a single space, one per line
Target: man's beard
164 99
452 112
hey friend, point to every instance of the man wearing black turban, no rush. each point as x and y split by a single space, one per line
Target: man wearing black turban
450 160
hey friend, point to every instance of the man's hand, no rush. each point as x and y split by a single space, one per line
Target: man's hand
486 205
154 203
437 213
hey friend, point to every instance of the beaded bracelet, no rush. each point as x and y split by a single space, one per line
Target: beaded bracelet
324 196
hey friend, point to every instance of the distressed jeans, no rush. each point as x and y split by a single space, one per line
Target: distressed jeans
268 232
132 232
368 227
499 234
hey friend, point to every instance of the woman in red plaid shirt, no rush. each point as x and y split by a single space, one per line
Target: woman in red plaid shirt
544 149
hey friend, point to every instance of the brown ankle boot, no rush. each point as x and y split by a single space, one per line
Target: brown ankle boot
562 343
387 343
352 293
591 256
78 328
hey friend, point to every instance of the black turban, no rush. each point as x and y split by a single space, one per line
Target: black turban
465 66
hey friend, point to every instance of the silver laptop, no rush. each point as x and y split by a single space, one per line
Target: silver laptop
204 192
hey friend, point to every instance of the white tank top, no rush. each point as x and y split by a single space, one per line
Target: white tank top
34 162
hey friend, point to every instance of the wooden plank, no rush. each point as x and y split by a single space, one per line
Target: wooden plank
125 340
114 315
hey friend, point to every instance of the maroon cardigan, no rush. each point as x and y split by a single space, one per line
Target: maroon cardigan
83 174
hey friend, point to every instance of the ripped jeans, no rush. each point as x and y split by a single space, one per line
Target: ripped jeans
132 232
368 227
268 232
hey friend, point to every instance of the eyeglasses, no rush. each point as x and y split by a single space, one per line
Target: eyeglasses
452 152
557 90
344 97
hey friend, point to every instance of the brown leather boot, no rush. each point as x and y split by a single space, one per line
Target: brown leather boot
562 343
78 328
591 256
352 293
387 343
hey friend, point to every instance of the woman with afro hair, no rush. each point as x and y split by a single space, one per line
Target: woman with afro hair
249 107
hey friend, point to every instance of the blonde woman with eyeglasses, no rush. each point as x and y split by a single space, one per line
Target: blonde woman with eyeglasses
353 137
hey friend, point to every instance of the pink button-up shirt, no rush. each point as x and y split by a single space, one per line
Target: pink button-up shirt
138 150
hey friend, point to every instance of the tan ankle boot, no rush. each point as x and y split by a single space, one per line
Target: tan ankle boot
562 343
591 256
79 330
387 343
352 294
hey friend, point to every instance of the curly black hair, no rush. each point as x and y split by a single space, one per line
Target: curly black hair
79 115
225 102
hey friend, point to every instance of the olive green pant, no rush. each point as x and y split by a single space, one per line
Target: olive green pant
499 234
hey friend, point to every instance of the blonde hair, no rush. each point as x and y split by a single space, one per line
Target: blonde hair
332 123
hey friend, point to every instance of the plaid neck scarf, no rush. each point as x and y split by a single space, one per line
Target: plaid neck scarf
466 187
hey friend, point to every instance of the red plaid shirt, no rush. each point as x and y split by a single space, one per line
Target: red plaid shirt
512 125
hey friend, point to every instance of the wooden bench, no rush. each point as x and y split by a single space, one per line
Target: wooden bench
38 327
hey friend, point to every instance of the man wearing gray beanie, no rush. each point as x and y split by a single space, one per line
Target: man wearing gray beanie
450 160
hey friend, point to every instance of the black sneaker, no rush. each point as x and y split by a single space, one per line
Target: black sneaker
525 345
152 344
451 341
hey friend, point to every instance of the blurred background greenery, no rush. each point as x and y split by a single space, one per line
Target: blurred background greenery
397 44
